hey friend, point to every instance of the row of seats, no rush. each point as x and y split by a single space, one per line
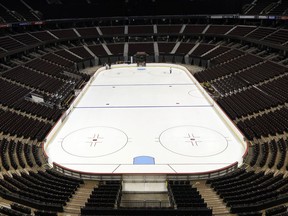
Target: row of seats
106 195
276 149
18 11
245 191
247 102
45 190
68 55
261 72
34 79
185 196
26 127
270 35
237 64
6 16
272 123
38 109
270 94
47 67
223 54
51 57
260 6
18 155
247 77
278 210
228 85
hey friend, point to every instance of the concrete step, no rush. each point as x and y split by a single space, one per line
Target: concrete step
211 198
73 207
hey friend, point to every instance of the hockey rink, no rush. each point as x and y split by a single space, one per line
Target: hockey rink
144 120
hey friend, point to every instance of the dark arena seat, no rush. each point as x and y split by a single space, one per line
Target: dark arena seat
50 49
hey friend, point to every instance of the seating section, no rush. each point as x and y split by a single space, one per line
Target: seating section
261 72
56 59
194 29
88 32
7 16
241 30
147 29
260 33
18 155
272 123
278 37
276 150
26 39
81 52
247 77
20 208
201 49
229 84
235 65
170 29
165 48
9 44
98 50
64 33
20 10
10 211
218 29
27 127
45 190
43 36
105 199
221 54
68 56
34 79
280 8
184 48
113 30
278 210
260 6
246 191
10 93
116 49
247 102
140 47
187 197
106 195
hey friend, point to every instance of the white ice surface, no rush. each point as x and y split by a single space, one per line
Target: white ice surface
127 112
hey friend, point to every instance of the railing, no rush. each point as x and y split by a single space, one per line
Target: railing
145 204
188 176
87 176
204 175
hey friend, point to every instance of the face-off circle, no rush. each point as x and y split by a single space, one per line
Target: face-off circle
193 141
94 142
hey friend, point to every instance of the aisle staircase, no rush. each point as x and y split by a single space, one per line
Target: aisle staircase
78 200
212 199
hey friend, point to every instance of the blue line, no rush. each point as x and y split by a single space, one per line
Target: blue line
156 84
126 107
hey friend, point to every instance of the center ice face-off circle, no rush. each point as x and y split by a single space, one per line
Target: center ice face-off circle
193 141
94 142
